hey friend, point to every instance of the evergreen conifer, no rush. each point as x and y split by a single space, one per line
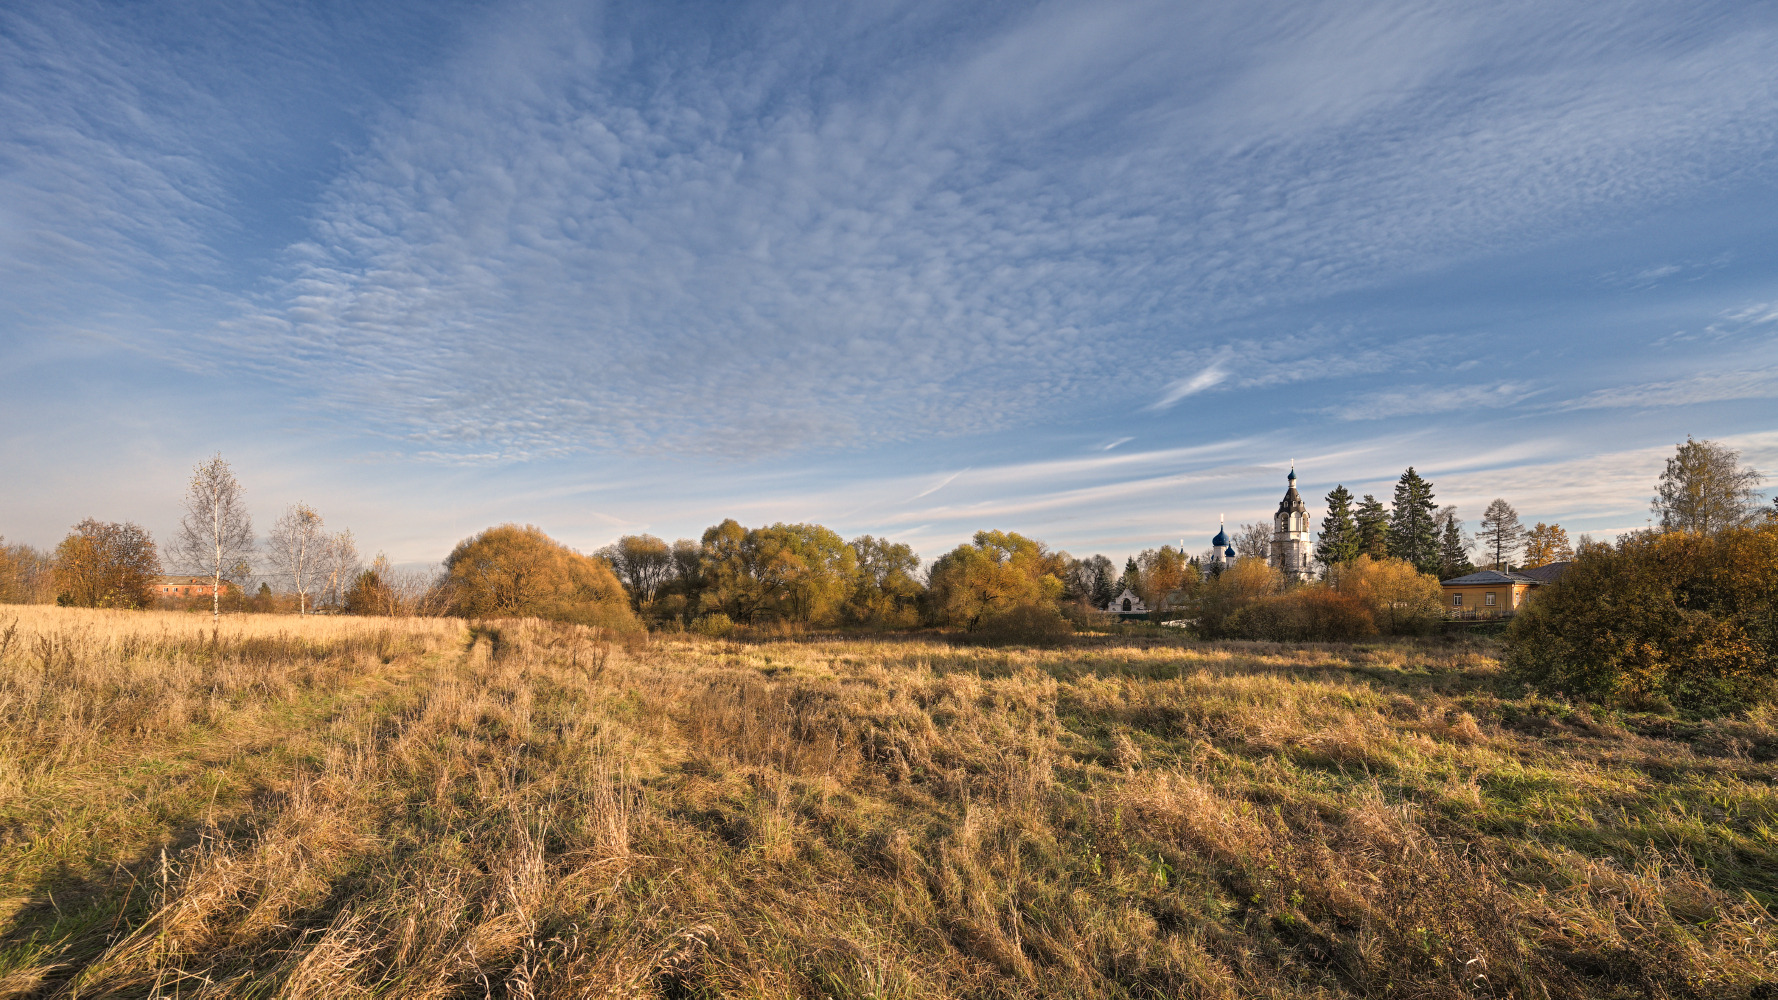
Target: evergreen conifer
1339 542
1413 523
1453 549
1372 519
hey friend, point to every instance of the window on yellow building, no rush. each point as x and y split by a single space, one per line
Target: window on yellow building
1456 600
1488 598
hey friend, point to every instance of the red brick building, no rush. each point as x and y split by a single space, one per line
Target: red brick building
186 586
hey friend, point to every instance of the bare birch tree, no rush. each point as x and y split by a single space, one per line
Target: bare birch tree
216 534
340 565
297 547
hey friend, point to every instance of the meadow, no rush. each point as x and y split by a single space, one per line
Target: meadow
416 807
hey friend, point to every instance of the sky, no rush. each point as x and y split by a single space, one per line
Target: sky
1097 272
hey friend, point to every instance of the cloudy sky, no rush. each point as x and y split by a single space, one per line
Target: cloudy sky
1095 271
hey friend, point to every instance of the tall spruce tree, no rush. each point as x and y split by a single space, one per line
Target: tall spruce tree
1104 581
1413 523
1453 548
1372 519
1339 542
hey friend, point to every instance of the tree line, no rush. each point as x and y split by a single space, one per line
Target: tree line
1416 530
1381 566
107 564
1413 528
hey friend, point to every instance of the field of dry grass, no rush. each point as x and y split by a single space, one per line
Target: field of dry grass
418 807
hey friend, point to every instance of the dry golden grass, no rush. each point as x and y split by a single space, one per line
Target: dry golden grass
341 807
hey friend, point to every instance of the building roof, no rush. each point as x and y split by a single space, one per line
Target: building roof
1546 574
1293 501
1488 576
183 581
1135 602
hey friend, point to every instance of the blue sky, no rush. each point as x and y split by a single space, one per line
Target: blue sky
1093 271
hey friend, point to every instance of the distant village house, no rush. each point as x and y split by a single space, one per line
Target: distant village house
1493 594
186 586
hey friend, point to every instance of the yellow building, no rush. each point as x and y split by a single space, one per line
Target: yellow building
1488 594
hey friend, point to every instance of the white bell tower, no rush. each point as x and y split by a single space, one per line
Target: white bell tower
1291 552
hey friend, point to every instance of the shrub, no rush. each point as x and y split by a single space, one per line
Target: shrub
26 575
1678 618
1401 599
369 594
785 572
1247 581
716 625
1307 614
1025 625
514 572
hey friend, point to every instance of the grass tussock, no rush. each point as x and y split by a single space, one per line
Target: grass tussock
354 807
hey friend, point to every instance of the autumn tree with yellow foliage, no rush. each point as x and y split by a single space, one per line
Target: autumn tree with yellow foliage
785 572
1000 573
1247 581
1401 599
519 572
104 564
1545 544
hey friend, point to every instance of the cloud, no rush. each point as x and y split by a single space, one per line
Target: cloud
1716 387
1189 386
941 484
611 234
1425 399
1757 314
1748 321
575 229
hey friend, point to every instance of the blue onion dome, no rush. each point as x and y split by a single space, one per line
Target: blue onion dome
1221 540
1230 552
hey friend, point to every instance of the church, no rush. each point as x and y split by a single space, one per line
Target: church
1290 552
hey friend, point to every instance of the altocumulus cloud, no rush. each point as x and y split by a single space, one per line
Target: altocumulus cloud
784 227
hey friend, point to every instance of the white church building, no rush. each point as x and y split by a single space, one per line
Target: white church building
1290 552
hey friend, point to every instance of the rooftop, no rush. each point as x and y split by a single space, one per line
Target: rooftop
1546 574
1488 576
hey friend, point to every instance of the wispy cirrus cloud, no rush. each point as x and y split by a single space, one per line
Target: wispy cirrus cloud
1424 399
1190 386
1716 387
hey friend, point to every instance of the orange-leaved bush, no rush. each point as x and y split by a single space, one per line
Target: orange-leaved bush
1312 613
519 572
1220 597
1680 618
1402 600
